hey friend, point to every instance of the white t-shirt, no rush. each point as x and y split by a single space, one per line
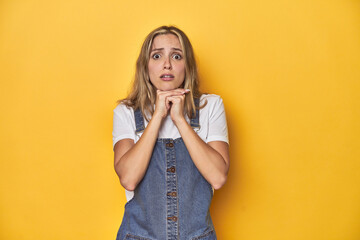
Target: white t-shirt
213 126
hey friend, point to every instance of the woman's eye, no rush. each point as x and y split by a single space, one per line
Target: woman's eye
177 56
156 56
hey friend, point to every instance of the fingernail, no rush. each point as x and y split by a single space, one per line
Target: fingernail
187 90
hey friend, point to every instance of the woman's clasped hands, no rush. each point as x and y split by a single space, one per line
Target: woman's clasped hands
171 101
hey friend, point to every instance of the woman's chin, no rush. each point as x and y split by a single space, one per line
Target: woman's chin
166 88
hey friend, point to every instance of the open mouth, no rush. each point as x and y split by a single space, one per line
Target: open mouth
167 77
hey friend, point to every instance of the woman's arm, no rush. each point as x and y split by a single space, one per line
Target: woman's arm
132 159
212 159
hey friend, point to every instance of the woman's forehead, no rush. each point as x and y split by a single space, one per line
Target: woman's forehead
168 40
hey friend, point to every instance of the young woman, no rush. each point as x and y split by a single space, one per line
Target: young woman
170 144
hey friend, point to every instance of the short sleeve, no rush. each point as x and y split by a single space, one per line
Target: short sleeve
217 122
123 126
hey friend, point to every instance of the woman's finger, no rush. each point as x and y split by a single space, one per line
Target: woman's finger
176 99
174 92
167 103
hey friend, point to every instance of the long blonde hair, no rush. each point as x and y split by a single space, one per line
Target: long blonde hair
143 93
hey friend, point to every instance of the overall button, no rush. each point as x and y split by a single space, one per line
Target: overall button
172 169
172 218
172 194
170 144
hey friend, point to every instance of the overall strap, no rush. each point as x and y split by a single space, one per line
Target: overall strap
194 121
139 119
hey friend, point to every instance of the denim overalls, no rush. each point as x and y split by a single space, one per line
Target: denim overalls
172 200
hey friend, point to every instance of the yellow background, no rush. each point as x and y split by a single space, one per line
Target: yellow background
288 72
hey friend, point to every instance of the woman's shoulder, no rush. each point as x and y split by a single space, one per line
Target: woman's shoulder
212 99
213 104
210 96
122 109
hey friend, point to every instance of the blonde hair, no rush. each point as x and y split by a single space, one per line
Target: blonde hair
143 93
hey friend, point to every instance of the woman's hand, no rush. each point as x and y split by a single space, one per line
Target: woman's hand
165 101
177 106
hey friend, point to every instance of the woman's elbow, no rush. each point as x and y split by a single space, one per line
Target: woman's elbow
127 184
219 183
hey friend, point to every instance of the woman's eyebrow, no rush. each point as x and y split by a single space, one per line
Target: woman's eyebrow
159 49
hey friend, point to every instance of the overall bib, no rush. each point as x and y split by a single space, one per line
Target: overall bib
172 200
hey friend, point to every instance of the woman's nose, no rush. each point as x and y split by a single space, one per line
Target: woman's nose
167 64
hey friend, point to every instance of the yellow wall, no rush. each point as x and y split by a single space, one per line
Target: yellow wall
288 72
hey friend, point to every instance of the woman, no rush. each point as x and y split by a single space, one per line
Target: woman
170 144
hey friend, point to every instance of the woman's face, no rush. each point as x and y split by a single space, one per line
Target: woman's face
166 64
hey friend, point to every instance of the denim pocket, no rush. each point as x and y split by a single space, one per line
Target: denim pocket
134 237
206 236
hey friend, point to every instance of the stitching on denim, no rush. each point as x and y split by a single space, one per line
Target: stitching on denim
166 205
135 237
177 191
203 235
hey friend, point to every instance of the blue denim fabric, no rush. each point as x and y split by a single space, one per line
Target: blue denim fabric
172 200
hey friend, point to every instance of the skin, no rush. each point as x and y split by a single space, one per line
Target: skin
166 57
132 159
